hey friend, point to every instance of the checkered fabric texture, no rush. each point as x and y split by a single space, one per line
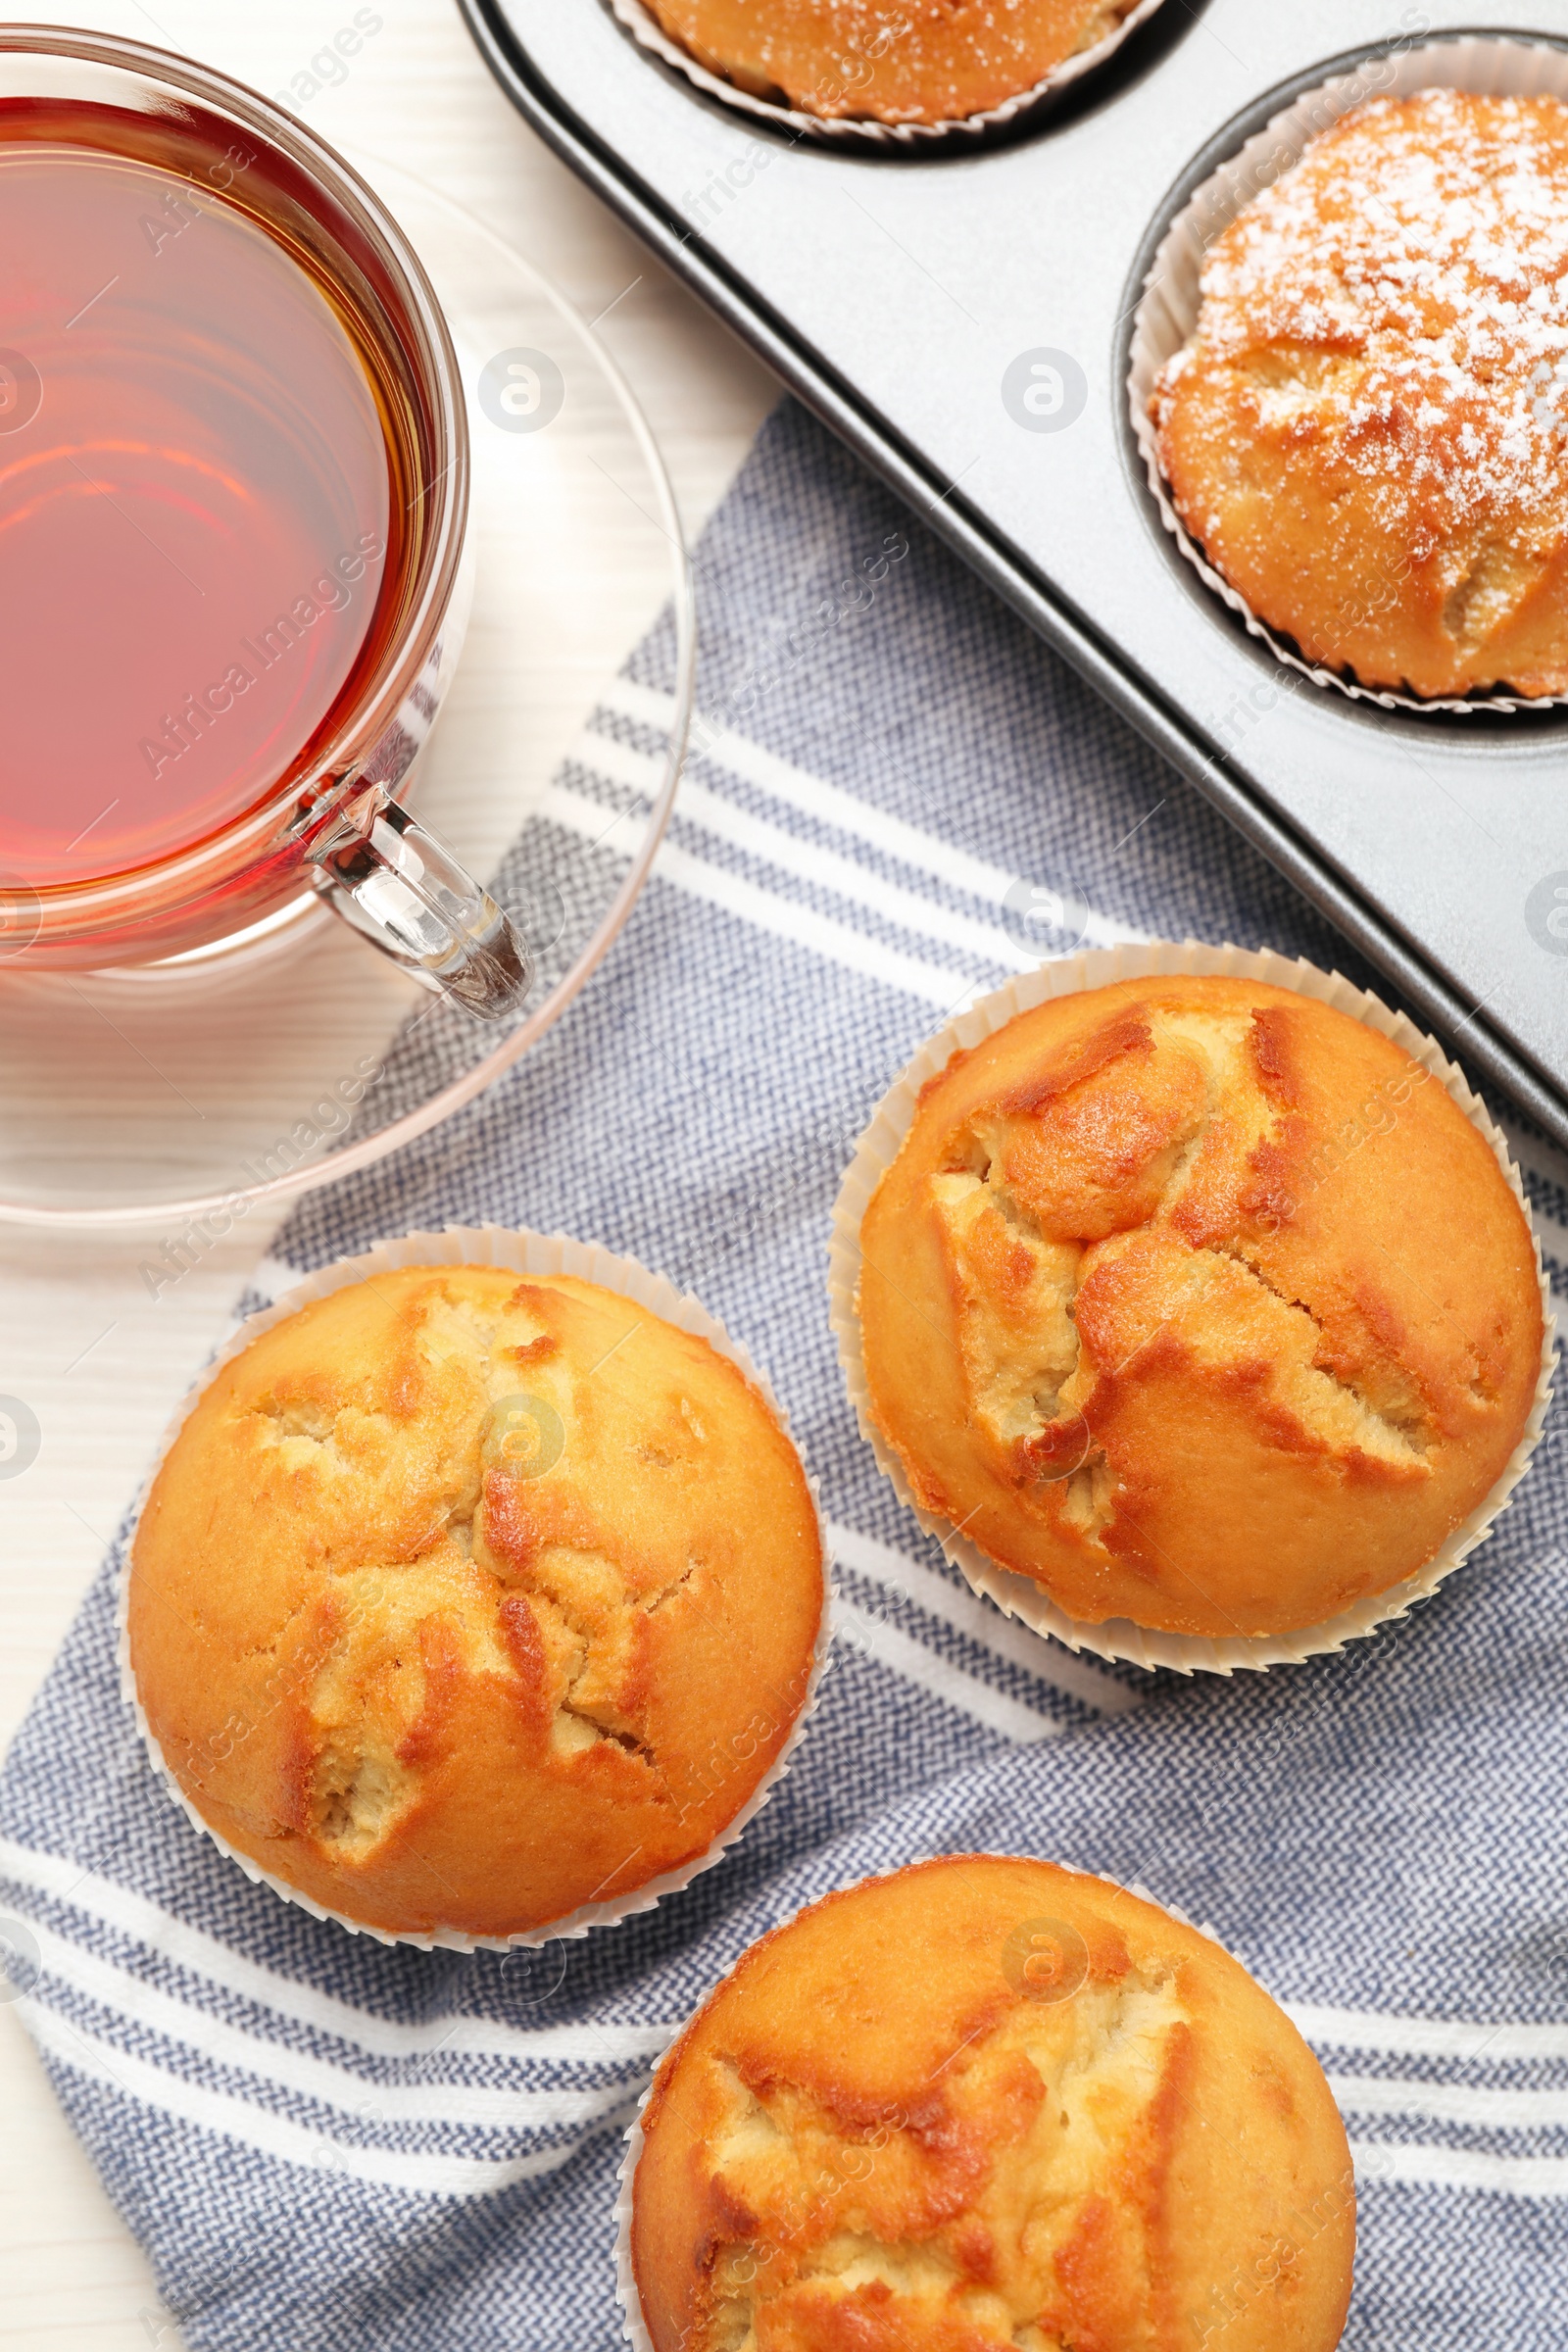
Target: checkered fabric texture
325 2143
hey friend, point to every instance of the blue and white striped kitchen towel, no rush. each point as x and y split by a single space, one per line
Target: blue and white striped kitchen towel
331 2145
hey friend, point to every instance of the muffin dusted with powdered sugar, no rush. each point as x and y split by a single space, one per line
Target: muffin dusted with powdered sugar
1367 432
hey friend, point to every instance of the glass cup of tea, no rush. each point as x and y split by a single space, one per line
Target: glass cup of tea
234 492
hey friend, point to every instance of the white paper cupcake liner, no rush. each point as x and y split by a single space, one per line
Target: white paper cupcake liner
627 2294
796 124
1487 66
1119 1640
525 1253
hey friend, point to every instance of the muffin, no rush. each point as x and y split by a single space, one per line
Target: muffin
1199 1303
1368 429
988 2102
927 60
462 1600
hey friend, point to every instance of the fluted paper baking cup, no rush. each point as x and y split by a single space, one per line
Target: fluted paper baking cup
1501 66
796 124
1118 1639
626 2295
523 1253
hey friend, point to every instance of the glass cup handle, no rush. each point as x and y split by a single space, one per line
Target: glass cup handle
399 886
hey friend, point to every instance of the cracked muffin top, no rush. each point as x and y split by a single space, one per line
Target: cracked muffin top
463 1599
990 2103
1368 429
1201 1303
925 60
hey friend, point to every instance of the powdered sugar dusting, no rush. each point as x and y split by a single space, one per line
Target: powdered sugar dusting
1383 339
1426 238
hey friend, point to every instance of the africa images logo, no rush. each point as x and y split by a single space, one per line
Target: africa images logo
1547 913
21 391
1045 390
521 390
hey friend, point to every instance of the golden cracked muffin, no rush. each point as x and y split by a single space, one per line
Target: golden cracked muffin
988 2102
1368 432
1198 1302
926 61
463 1599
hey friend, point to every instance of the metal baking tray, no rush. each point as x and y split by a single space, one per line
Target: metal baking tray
894 293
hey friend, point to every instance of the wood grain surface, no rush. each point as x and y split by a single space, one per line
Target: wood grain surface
99 1360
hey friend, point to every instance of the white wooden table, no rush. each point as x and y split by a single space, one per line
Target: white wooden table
101 1364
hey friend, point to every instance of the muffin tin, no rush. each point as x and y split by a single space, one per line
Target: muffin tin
908 300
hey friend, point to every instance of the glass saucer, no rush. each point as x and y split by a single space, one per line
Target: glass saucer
252 1069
